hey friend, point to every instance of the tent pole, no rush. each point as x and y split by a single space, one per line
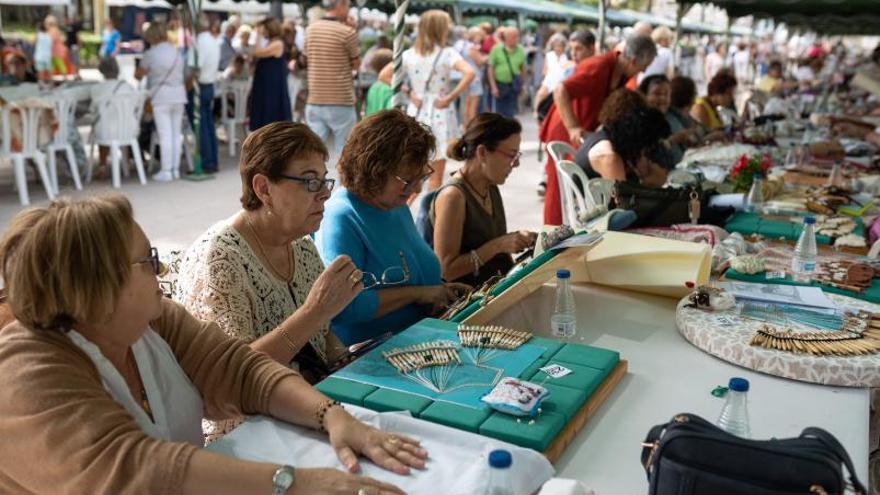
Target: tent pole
602 5
399 30
194 8
98 16
276 10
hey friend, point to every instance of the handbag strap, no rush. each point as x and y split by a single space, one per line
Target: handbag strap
509 67
837 449
155 89
429 79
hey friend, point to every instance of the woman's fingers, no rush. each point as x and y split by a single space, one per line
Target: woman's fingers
340 264
348 458
380 455
372 485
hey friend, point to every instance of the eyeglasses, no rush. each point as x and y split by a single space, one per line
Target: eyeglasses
159 268
514 158
313 184
410 185
394 275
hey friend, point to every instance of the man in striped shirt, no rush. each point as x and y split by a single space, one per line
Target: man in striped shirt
332 51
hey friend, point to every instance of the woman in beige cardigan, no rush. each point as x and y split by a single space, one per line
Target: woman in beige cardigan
106 382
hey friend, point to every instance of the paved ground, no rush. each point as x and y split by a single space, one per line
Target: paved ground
174 214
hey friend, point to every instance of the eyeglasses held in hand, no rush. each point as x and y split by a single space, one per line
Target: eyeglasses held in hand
159 268
313 184
394 275
411 185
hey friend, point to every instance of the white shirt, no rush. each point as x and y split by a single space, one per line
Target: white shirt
164 66
208 46
714 63
660 65
804 73
175 402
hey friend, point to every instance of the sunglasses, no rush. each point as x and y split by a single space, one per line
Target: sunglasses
410 185
159 268
313 184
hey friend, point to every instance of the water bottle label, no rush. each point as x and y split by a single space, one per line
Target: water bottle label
563 328
803 266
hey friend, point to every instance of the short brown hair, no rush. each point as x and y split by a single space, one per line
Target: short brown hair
682 92
721 83
269 149
387 142
271 28
67 262
619 103
156 33
381 58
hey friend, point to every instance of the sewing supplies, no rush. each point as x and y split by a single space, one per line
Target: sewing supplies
555 236
845 274
430 364
482 343
482 294
748 263
711 298
786 315
859 335
516 397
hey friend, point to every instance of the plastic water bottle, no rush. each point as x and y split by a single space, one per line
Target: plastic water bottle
734 417
562 322
803 263
754 202
499 482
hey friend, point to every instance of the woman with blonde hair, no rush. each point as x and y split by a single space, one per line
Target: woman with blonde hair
163 65
106 381
477 60
428 64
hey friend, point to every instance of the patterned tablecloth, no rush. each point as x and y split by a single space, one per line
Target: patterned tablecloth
726 336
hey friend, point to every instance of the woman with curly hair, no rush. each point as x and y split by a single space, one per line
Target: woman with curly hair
621 149
384 161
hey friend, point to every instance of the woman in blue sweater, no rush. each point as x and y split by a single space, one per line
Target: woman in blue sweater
384 161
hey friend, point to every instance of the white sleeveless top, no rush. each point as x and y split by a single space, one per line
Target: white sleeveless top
175 402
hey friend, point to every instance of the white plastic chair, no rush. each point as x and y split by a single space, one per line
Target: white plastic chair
600 190
239 91
574 201
118 126
30 122
65 108
560 150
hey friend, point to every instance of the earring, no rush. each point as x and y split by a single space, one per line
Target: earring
269 211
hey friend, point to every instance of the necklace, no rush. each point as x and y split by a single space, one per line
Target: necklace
484 199
266 257
136 374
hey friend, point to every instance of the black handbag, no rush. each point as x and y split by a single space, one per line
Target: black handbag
658 207
690 456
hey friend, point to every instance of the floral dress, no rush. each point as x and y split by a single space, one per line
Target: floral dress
443 122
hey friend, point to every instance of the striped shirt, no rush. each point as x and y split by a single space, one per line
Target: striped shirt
331 46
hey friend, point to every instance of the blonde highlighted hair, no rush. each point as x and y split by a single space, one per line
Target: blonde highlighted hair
67 262
433 31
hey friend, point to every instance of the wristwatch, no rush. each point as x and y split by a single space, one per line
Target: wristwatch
282 480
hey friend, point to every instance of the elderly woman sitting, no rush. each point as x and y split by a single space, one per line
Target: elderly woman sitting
385 160
106 381
258 274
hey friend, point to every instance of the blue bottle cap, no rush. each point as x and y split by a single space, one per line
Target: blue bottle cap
563 273
809 220
500 459
739 385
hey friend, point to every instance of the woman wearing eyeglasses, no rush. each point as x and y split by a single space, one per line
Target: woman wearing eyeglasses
470 229
384 161
258 274
105 381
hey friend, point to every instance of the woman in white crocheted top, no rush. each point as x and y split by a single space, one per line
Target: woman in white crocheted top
258 274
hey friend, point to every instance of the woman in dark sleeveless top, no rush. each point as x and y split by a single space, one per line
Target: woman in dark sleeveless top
621 150
470 229
269 101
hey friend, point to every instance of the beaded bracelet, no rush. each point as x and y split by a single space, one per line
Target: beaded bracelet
325 406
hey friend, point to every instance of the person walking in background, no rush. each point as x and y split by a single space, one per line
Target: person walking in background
163 65
427 66
72 27
555 59
208 46
715 61
477 59
60 54
109 40
662 64
227 52
269 99
380 93
507 66
43 53
332 53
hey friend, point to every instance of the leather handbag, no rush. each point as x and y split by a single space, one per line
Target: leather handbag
658 207
690 456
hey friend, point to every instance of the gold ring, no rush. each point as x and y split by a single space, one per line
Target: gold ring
362 491
355 277
393 439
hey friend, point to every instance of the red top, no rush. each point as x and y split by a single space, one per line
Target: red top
488 43
588 87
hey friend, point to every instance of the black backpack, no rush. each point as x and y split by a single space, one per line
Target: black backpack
424 215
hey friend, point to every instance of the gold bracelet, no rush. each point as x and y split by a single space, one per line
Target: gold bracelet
321 413
293 347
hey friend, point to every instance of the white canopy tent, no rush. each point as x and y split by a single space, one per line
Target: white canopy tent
31 3
251 7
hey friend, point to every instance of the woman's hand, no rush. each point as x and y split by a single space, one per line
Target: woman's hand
441 102
515 242
576 136
336 482
441 296
335 288
350 438
415 100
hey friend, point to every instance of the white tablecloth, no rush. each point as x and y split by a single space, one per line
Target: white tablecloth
457 459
